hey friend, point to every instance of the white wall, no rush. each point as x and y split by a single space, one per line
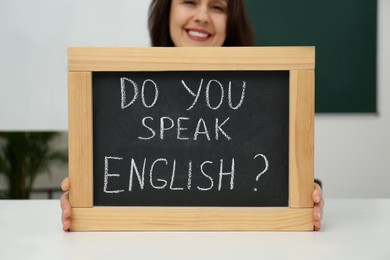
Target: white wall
35 35
352 151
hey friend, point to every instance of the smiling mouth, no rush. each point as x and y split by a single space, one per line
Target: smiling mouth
198 35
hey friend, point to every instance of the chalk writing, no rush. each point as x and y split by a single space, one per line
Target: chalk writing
210 83
137 174
182 133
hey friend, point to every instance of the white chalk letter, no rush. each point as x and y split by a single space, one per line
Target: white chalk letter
163 126
155 93
218 128
106 174
208 95
242 96
197 131
192 93
160 180
123 92
141 178
189 175
173 177
207 176
150 129
221 174
179 128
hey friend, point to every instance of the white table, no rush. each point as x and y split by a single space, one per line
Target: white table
353 229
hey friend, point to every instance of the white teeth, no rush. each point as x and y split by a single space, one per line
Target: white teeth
198 34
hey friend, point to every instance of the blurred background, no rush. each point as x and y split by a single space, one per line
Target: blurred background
352 141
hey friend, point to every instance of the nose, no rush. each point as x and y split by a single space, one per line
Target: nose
202 14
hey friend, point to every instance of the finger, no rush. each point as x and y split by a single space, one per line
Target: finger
64 201
320 204
317 213
65 223
317 225
65 205
317 194
65 219
66 211
65 184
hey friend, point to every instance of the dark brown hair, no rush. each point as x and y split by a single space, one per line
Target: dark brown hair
238 29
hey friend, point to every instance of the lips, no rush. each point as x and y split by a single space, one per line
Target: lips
198 35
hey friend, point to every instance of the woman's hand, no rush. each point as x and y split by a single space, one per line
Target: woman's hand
65 205
318 206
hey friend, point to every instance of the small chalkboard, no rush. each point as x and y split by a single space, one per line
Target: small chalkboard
190 139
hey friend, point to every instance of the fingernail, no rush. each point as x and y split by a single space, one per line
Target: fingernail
318 199
319 215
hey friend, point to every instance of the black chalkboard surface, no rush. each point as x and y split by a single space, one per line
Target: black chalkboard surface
191 138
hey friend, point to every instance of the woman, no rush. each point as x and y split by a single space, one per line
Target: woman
198 23
223 18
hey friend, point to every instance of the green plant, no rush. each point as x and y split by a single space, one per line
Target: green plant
25 155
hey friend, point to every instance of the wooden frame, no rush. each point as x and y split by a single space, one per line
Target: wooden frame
299 61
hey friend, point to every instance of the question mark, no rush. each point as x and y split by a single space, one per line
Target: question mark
265 169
